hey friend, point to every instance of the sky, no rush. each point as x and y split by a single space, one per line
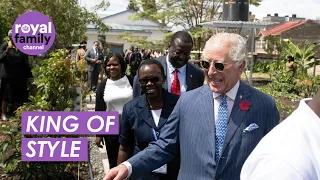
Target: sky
309 9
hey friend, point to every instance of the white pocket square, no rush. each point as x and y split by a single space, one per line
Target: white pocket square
251 127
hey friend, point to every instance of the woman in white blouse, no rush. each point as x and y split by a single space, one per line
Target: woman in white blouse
112 94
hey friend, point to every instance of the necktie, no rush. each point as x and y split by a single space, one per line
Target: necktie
97 54
175 86
221 125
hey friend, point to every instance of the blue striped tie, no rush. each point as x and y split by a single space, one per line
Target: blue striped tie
221 125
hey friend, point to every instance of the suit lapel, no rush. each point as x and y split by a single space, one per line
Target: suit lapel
164 64
207 111
168 106
145 112
237 115
189 76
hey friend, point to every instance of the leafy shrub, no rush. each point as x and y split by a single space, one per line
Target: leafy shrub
54 79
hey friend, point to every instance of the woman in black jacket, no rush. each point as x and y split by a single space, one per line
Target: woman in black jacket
112 94
145 116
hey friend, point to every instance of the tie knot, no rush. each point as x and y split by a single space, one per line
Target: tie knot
223 98
176 70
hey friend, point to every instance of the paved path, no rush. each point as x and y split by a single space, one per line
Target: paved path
98 156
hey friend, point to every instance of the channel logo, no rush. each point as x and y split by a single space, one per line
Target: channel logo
33 33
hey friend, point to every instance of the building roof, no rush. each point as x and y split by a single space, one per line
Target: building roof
236 24
283 27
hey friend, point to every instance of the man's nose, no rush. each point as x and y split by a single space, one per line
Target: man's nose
212 70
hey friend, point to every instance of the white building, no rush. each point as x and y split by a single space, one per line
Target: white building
121 23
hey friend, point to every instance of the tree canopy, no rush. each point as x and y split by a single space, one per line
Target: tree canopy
69 18
186 13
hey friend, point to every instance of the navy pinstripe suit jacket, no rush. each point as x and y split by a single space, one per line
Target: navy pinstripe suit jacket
191 128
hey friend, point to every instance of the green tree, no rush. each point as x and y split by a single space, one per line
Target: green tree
187 13
69 18
132 5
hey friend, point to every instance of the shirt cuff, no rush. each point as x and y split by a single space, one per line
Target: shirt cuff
129 167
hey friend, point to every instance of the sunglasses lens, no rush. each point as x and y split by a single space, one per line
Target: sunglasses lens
153 80
219 66
205 64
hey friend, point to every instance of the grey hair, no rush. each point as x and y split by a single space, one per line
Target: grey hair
238 51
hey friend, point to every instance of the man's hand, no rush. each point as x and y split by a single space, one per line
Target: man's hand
98 62
98 141
118 173
93 60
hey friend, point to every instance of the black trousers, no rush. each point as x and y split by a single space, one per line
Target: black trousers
93 78
112 146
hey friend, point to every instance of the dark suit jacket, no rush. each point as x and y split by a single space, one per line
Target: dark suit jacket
136 129
191 126
15 64
194 79
91 55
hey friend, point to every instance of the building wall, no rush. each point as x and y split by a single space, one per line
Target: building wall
124 18
308 31
112 37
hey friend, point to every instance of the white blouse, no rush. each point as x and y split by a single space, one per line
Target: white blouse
117 94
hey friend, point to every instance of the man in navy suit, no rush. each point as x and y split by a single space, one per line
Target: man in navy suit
216 126
180 74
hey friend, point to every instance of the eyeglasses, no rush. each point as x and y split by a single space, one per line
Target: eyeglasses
145 81
218 65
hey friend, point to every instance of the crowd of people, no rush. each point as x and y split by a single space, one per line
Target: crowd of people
179 121
173 126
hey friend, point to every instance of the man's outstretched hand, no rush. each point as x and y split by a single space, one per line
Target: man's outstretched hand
118 173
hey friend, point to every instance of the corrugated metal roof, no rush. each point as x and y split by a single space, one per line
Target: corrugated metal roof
236 24
283 27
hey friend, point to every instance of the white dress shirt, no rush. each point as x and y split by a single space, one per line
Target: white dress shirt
291 151
231 97
156 116
181 75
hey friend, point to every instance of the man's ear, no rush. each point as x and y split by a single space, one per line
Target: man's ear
164 79
242 66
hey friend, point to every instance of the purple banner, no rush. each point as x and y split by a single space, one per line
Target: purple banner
66 123
54 149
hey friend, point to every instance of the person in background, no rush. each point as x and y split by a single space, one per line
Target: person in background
291 66
81 62
216 126
14 73
145 116
181 75
135 60
291 151
94 58
112 94
81 51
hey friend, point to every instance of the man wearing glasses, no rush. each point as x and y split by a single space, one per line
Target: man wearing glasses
181 75
215 127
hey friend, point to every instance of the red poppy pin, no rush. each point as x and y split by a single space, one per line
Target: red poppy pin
244 105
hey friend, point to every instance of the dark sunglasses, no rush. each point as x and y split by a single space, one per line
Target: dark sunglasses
146 80
218 65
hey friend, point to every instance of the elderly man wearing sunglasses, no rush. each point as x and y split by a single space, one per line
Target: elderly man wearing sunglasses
181 75
215 127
